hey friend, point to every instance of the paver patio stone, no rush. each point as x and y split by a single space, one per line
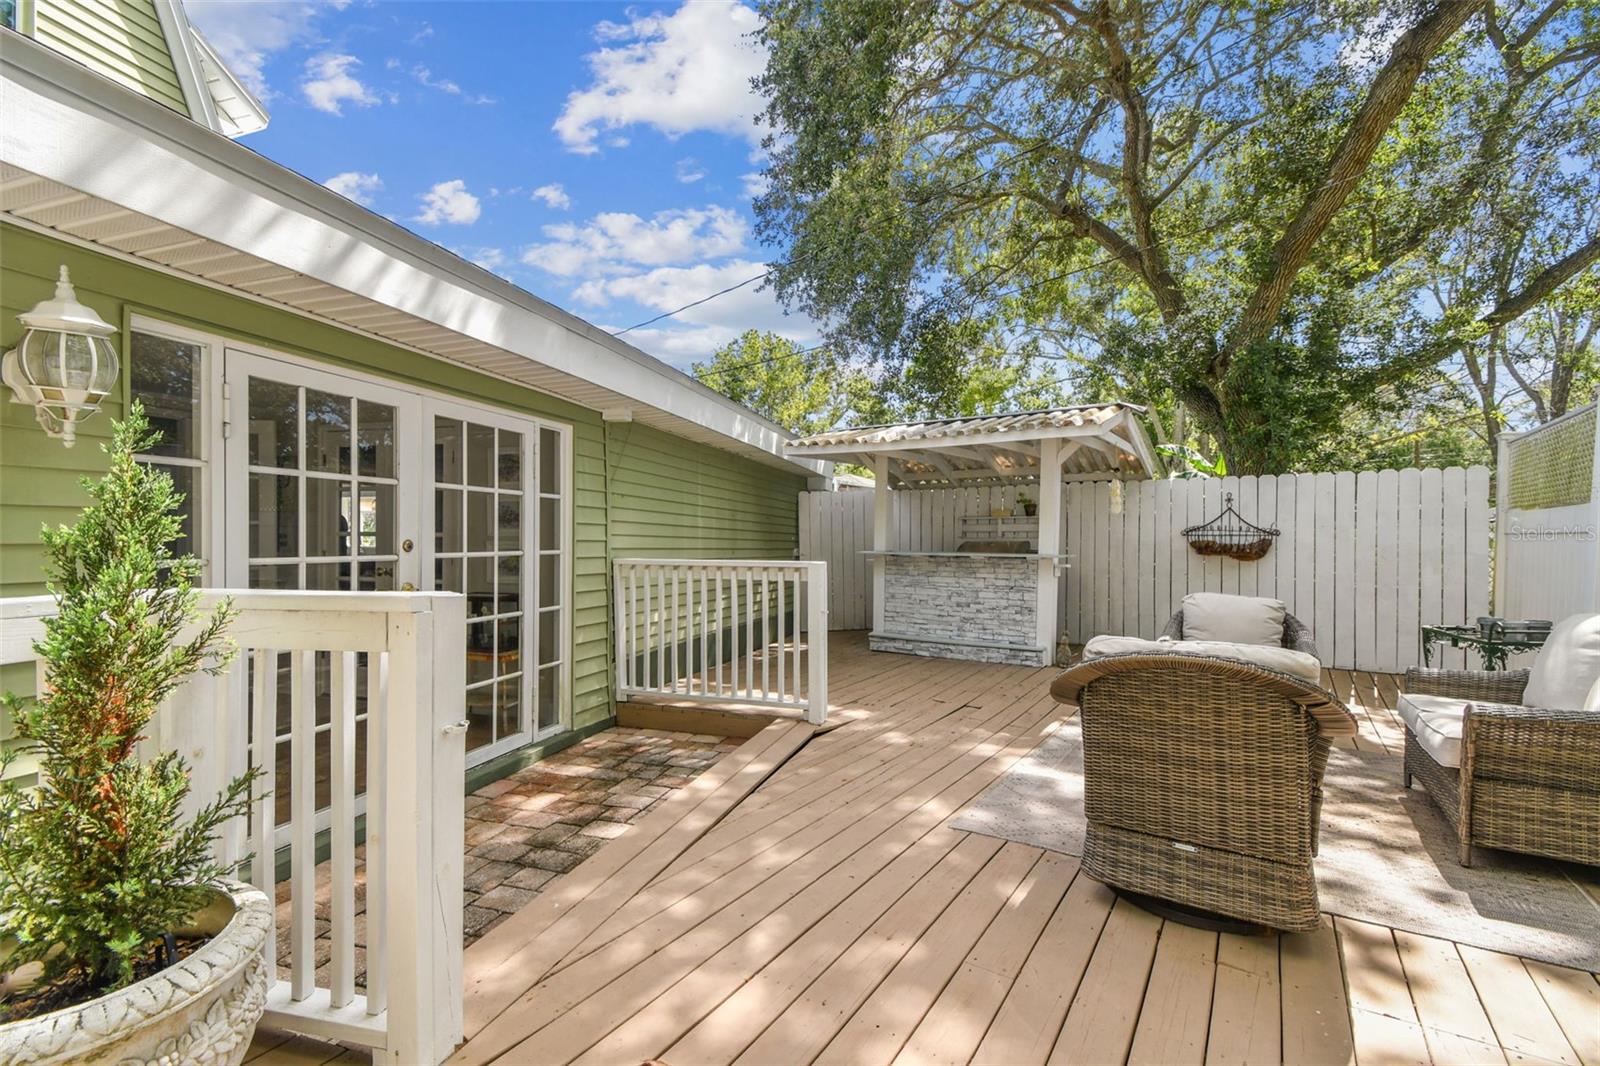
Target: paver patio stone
525 832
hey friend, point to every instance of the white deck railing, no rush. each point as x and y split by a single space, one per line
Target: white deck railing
724 631
411 1010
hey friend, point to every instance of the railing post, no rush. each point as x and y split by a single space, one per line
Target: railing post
621 627
424 822
817 638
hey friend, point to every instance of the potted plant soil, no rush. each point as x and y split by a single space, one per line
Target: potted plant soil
121 940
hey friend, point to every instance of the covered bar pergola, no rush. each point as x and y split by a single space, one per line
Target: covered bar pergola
995 596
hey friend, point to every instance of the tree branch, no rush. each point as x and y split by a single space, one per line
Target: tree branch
1388 93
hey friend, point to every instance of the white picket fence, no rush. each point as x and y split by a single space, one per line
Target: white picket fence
414 702
1364 559
725 631
1547 560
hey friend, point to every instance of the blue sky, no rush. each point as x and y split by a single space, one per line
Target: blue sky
600 155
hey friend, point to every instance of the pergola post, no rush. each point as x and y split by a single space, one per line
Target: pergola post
880 534
1049 543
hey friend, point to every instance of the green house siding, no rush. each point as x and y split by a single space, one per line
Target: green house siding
667 497
121 39
673 498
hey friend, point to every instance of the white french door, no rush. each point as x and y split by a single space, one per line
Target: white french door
497 514
322 476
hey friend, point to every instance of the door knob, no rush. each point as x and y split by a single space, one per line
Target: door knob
407 587
406 545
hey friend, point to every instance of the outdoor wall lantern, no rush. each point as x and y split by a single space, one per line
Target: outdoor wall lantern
65 363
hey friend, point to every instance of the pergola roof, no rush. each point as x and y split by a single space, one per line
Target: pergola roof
1102 440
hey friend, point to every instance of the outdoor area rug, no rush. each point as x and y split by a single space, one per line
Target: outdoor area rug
1387 855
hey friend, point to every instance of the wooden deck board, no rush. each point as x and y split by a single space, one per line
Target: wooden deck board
829 913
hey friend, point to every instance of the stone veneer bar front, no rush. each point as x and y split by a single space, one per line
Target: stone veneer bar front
961 605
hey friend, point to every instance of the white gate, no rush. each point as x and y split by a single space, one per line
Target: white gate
1547 561
1364 559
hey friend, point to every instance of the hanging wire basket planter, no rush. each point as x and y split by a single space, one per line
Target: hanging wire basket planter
1231 535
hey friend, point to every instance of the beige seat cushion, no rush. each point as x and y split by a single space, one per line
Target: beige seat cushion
1436 723
1566 673
1234 619
1282 660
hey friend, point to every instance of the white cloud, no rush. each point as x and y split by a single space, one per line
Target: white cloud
690 171
449 201
754 183
697 332
488 258
614 241
247 36
354 185
553 195
329 83
689 70
425 77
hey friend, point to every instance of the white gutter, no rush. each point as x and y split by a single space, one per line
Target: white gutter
65 123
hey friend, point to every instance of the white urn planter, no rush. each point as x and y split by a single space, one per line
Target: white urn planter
201 1010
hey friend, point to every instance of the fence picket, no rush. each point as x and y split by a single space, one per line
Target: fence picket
1363 560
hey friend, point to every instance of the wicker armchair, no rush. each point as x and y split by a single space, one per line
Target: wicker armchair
1203 781
1529 779
1296 634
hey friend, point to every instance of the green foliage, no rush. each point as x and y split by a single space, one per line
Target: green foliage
955 368
1142 191
772 375
96 862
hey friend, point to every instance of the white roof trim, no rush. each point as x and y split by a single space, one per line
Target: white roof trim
63 122
1107 441
186 61
238 112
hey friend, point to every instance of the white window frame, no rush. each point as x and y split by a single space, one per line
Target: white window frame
209 523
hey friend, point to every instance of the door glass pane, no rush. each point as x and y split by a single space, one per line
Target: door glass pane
508 712
510 522
375 577
327 516
328 576
480 716
274 424
508 659
480 587
509 584
549 580
274 515
549 461
447 451
376 536
480 455
376 425
447 575
327 432
549 701
480 651
448 520
275 576
549 630
510 459
549 524
480 521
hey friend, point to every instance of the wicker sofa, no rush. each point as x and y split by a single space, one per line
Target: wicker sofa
1506 775
1202 778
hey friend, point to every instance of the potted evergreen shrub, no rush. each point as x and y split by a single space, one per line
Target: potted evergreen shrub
121 939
